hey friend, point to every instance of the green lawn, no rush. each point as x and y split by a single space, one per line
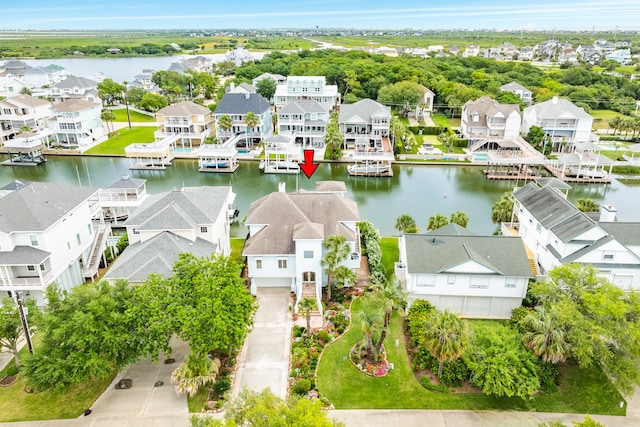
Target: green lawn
601 118
121 116
581 391
440 120
390 254
237 244
115 146
17 405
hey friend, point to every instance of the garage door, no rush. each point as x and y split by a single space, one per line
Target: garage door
272 282
451 303
478 306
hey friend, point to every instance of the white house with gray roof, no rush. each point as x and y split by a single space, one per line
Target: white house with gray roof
307 87
307 119
23 110
77 124
455 269
558 233
47 236
286 239
74 87
516 88
364 119
192 219
237 106
485 122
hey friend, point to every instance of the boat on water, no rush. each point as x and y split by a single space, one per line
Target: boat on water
220 164
587 173
368 168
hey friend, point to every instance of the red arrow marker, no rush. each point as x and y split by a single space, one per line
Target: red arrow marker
308 167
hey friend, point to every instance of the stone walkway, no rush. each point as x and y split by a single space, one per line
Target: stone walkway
264 359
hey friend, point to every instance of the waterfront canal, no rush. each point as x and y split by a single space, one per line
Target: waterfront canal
416 190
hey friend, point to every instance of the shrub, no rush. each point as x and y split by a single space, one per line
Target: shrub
548 376
302 387
626 169
298 331
323 336
517 314
438 388
12 371
222 385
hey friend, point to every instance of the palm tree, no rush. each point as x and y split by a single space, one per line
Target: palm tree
337 251
225 123
437 221
446 337
108 116
194 373
344 275
459 218
306 306
371 321
25 128
502 210
251 120
587 205
406 224
615 123
543 337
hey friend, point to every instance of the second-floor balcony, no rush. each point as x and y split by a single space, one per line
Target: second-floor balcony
35 281
188 134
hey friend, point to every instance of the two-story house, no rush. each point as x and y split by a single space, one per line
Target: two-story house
364 119
455 269
516 88
47 236
192 219
74 87
485 122
11 86
190 122
236 106
558 233
307 87
565 123
21 112
307 119
77 125
287 232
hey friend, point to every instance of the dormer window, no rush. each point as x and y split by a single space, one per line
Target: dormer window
475 118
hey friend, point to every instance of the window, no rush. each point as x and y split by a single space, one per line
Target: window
31 268
429 281
538 228
282 264
89 228
204 229
34 239
451 279
69 245
309 276
608 255
308 254
78 239
135 231
41 267
510 282
258 263
479 283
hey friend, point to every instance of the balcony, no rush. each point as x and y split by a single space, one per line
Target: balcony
25 283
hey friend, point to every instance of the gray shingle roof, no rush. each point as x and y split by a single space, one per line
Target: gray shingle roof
74 81
155 256
39 205
310 214
127 182
242 103
558 107
27 100
553 211
23 255
453 229
180 209
514 86
183 109
436 253
301 106
74 105
363 110
487 107
627 233
336 186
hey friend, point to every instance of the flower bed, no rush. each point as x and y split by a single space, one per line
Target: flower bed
378 368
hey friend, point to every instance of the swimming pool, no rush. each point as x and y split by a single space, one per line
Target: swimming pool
182 150
609 147
480 157
243 151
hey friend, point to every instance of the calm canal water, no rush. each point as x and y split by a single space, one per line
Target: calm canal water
417 190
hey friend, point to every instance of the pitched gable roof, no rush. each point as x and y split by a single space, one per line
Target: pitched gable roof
559 107
183 109
74 81
73 105
302 106
242 103
362 111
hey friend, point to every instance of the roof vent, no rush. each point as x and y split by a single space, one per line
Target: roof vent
247 95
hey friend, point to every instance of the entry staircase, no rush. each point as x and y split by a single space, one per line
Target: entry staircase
90 269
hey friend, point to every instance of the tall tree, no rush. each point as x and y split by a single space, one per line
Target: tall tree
437 221
336 251
194 373
10 327
110 91
306 306
225 123
502 210
333 138
251 120
152 102
406 224
446 337
266 88
459 218
587 205
108 116
371 323
544 336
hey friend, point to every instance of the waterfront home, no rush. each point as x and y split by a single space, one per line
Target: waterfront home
238 55
118 199
191 219
14 68
74 87
10 86
19 112
516 88
278 78
562 121
622 56
365 119
558 233
307 118
287 232
473 276
485 122
77 125
307 87
47 236
281 154
237 106
144 81
190 122
471 50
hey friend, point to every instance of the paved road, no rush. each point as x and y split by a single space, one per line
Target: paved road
264 359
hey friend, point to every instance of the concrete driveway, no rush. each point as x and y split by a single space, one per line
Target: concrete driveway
264 359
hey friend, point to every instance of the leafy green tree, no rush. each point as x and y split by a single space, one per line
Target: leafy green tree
544 336
437 221
404 93
110 91
225 123
536 138
134 95
25 91
152 102
266 88
194 373
587 205
108 116
500 363
10 327
306 306
344 275
251 120
336 251
446 337
459 218
599 320
406 224
502 210
226 68
265 409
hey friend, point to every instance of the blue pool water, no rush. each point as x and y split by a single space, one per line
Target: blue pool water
182 150
243 151
610 147
480 157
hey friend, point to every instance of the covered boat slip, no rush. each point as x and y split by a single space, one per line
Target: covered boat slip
281 154
221 158
23 156
154 156
372 158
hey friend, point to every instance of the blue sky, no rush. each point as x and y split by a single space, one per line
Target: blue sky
371 14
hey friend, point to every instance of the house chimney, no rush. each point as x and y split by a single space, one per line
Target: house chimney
232 86
554 100
282 187
607 213
247 95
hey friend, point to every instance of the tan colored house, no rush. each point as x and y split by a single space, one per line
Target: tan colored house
192 122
